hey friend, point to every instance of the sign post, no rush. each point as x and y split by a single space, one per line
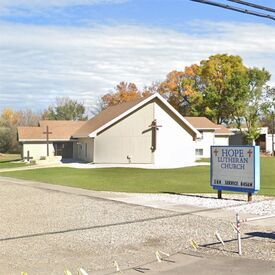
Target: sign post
235 168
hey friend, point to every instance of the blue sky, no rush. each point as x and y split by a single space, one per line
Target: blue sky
163 13
83 48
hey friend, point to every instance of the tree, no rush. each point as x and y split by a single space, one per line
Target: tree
221 88
268 116
123 92
28 118
151 89
224 86
8 130
181 90
65 109
9 118
216 88
6 139
255 104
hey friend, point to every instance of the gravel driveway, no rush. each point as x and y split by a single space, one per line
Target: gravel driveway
44 230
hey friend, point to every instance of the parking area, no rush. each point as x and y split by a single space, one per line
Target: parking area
47 228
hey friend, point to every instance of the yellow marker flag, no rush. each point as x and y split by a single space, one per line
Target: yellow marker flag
194 244
82 271
158 256
219 238
67 272
116 266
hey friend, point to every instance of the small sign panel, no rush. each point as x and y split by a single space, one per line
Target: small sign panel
235 168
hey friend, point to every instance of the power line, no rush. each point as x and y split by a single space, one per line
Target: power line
212 3
253 5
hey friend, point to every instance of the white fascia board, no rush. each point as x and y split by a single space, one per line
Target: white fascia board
203 128
94 133
80 136
153 96
207 129
198 134
43 140
225 134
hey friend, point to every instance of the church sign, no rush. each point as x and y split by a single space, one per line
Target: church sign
235 168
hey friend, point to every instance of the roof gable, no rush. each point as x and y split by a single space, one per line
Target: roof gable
104 117
113 114
202 123
223 131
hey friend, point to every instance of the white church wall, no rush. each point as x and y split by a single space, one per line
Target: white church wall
269 143
84 149
37 149
202 145
221 140
126 141
175 146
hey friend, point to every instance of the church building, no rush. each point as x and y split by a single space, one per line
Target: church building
145 131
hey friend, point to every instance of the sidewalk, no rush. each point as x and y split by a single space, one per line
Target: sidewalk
208 265
80 165
31 167
219 212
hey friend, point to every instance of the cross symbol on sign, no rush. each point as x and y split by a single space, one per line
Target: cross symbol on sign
216 152
249 153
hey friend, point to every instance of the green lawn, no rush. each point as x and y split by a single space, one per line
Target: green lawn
9 157
10 161
183 180
4 165
203 160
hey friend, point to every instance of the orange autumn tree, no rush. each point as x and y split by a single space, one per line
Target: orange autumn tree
9 117
9 121
180 88
123 92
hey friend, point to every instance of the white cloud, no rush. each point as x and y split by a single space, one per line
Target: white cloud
38 63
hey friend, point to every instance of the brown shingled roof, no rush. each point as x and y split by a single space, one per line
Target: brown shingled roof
61 130
105 116
64 130
202 123
222 130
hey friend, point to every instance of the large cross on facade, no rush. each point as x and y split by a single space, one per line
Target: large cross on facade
47 133
154 127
